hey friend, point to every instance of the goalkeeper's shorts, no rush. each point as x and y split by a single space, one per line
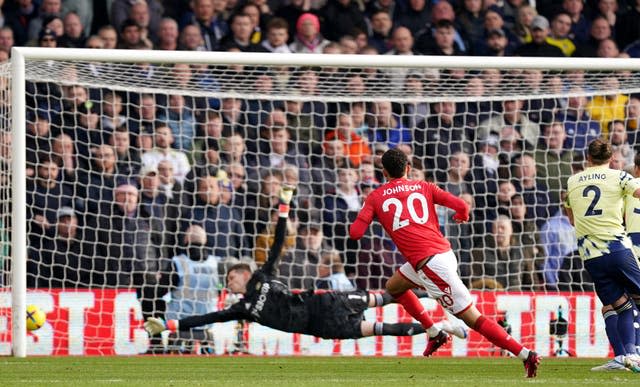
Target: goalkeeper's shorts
337 315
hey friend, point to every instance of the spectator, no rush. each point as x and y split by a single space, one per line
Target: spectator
324 166
494 20
559 241
191 39
525 234
499 259
163 138
307 38
626 27
99 181
331 274
633 119
619 141
578 125
355 147
146 13
212 26
6 39
281 151
471 19
222 223
167 35
64 259
608 49
109 36
112 116
553 162
340 207
154 208
381 26
387 128
534 193
240 36
121 238
539 45
513 116
412 15
443 134
340 17
45 195
526 14
47 8
141 13
291 12
506 190
277 36
497 44
261 200
73 36
131 36
599 31
127 156
559 34
191 279
181 119
443 40
608 107
300 266
579 22
264 240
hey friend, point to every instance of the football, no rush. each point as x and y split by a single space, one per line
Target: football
35 318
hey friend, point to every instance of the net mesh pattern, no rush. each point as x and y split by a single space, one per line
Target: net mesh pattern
125 161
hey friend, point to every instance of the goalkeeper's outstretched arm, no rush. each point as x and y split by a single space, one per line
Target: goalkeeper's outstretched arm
155 325
286 193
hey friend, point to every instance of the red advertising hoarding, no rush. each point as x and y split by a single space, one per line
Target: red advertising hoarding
109 322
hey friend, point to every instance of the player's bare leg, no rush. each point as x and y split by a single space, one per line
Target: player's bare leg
498 336
401 289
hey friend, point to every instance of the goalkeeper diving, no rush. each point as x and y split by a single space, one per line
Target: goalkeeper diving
269 302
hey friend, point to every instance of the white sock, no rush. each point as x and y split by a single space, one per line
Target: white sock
524 354
433 331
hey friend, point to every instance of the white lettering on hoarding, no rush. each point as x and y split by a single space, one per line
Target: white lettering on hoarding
123 344
77 303
514 306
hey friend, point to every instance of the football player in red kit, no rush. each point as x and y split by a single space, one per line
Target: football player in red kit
406 210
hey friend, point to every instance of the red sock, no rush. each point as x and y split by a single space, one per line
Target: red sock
412 305
497 335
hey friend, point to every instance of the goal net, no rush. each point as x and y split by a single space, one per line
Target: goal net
146 171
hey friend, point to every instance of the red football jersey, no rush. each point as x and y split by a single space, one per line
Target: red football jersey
406 210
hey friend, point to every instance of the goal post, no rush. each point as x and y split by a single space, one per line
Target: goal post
237 76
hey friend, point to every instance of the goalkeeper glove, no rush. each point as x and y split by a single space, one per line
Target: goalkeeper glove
155 326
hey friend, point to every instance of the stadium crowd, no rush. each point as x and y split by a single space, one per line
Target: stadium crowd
117 178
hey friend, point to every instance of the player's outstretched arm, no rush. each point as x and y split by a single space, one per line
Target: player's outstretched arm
286 194
155 325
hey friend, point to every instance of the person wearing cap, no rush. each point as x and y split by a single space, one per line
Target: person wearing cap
308 39
45 195
539 46
47 38
497 44
153 205
64 258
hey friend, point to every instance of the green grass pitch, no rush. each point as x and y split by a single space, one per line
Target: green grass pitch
300 371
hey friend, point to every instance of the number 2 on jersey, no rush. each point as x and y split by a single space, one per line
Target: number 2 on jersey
411 199
591 211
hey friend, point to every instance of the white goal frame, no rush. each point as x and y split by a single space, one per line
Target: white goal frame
20 55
